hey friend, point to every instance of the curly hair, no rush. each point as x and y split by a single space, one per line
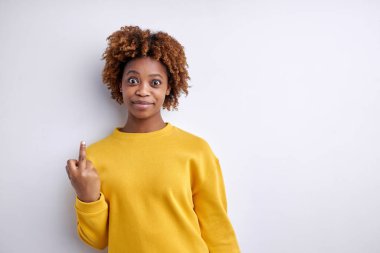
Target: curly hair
132 42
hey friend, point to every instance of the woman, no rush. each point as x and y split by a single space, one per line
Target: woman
149 186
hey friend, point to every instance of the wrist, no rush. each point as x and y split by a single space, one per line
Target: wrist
88 199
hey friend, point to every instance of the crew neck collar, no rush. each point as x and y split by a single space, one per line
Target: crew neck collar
129 135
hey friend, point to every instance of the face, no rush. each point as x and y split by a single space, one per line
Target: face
144 86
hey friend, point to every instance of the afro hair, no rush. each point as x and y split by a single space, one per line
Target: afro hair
132 42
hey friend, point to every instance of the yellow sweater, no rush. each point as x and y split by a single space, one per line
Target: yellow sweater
161 192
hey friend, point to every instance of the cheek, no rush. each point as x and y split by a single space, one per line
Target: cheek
161 94
128 92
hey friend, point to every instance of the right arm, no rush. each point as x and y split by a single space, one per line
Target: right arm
90 205
92 219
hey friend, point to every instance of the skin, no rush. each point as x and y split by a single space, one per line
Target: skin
83 176
143 79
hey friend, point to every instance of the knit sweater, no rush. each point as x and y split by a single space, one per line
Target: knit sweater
161 192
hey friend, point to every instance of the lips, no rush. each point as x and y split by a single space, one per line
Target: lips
141 105
141 102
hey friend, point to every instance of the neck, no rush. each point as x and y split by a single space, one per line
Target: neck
136 125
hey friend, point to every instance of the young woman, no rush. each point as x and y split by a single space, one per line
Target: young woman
149 186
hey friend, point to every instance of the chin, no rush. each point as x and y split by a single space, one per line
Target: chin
142 114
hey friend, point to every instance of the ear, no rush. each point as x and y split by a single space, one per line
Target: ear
168 91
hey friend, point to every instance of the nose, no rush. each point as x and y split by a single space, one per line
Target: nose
143 89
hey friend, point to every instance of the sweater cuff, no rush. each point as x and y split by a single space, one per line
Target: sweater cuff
91 207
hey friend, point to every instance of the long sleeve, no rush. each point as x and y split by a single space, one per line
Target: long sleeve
157 185
210 205
92 219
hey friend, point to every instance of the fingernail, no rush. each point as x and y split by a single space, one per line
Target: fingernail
83 143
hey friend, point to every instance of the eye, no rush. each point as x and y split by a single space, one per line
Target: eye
156 82
132 80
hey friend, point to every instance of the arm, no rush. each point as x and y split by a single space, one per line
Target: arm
90 205
210 205
92 222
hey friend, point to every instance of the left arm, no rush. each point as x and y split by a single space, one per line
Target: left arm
210 205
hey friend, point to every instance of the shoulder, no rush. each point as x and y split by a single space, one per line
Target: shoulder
197 142
99 144
191 137
98 147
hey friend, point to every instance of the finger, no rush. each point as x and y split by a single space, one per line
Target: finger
89 164
82 155
72 167
68 172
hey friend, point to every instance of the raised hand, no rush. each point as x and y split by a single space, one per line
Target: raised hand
83 176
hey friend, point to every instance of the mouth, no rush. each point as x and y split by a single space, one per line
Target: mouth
141 102
141 105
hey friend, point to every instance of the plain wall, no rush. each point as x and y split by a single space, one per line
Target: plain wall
287 93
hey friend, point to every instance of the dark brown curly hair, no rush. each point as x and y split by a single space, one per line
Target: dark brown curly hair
132 42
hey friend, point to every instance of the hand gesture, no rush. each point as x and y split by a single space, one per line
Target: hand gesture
83 176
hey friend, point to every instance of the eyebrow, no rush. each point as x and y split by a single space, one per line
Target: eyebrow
134 71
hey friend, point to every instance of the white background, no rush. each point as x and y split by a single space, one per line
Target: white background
287 93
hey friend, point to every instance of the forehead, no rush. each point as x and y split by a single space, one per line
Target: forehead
145 65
